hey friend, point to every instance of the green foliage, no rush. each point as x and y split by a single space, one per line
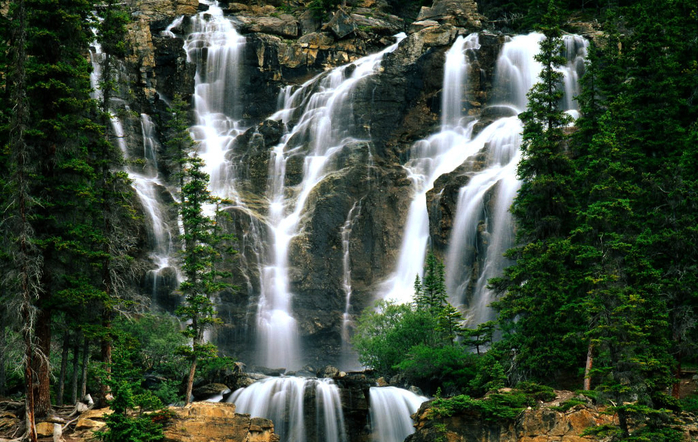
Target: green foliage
481 336
123 425
158 336
568 404
386 333
452 367
536 391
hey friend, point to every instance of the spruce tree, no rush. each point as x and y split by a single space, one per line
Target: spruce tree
114 244
203 243
541 292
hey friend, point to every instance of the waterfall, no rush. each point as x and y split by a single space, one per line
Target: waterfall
489 193
144 180
290 402
390 411
215 47
349 356
321 118
482 227
429 159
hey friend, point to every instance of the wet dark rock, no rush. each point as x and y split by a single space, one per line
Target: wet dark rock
328 371
454 12
341 24
209 391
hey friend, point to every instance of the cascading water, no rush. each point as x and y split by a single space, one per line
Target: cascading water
145 180
491 190
290 402
215 47
349 357
390 411
321 110
429 159
482 228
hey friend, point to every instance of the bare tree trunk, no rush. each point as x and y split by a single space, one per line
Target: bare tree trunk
3 343
42 366
587 369
106 357
64 366
76 368
85 362
23 261
676 388
190 382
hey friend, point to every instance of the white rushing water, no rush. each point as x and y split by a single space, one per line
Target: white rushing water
321 117
350 359
483 226
215 47
390 410
144 178
284 401
429 159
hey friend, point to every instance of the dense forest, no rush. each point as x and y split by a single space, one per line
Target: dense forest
602 295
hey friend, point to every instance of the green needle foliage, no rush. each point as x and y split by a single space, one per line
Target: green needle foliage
203 247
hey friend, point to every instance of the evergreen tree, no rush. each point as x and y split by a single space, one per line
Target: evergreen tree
203 242
542 291
113 241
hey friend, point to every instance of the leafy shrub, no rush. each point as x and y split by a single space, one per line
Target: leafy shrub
451 366
690 404
385 335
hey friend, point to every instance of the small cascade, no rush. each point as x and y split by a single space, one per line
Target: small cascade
321 119
349 356
390 411
429 159
303 410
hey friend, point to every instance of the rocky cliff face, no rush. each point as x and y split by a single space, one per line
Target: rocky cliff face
390 111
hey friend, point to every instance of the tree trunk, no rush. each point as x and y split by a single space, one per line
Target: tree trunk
64 366
676 388
3 376
42 366
85 361
105 391
76 368
190 382
587 369
20 152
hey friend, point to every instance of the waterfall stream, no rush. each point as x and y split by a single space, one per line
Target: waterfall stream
390 413
318 121
321 119
482 227
302 409
144 179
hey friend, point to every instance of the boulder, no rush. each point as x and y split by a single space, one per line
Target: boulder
328 371
462 13
206 421
341 24
209 391
542 424
282 25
